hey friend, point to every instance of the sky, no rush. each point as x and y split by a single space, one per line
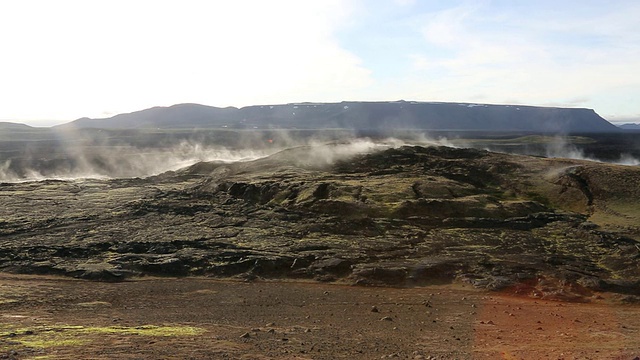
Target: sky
66 59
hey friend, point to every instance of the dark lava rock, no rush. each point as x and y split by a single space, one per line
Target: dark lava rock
402 217
338 267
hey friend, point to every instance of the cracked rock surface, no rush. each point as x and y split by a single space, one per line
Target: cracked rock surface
400 217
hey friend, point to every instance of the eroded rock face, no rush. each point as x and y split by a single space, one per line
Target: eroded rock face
406 216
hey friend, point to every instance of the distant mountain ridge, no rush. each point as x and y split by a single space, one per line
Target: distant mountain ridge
4 125
630 126
361 116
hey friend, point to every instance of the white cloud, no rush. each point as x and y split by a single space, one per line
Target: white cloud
501 56
447 27
405 2
73 58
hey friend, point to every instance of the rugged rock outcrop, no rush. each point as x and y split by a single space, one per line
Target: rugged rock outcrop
402 216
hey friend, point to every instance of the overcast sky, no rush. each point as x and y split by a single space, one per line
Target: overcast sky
65 59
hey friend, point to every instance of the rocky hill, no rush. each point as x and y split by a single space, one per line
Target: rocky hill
362 116
400 216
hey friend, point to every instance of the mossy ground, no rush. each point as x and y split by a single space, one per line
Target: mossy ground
44 337
272 218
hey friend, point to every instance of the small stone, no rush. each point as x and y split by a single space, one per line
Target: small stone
271 324
386 318
245 335
374 309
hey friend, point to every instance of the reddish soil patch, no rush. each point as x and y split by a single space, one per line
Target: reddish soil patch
287 320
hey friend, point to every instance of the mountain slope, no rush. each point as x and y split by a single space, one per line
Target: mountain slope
13 126
362 116
630 126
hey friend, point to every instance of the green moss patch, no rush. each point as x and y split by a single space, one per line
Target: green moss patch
70 335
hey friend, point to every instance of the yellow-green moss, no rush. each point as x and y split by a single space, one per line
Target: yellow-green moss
43 343
72 335
147 330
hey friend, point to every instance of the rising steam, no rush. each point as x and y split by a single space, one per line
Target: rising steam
559 147
100 161
94 158
123 162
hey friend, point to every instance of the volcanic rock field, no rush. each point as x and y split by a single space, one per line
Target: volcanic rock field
404 216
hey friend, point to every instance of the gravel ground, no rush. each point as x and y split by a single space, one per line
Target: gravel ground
198 318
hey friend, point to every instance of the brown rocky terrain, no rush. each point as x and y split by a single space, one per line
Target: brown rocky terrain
196 318
401 217
230 260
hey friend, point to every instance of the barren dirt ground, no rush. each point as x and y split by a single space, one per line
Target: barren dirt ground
197 318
